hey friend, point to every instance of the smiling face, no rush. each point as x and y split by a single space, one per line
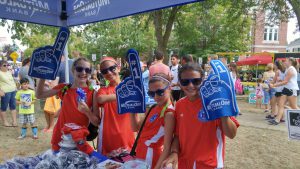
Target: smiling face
81 71
4 66
110 71
190 90
162 88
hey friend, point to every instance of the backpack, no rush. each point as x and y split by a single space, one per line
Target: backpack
238 86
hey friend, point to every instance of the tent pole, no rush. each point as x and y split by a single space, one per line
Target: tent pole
256 72
66 53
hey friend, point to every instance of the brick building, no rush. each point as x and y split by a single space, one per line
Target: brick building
268 36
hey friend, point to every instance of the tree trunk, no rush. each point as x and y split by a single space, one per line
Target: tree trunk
162 35
296 8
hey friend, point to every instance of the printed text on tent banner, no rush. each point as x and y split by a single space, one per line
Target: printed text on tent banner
218 94
45 61
130 92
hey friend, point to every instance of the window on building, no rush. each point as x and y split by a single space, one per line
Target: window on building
271 33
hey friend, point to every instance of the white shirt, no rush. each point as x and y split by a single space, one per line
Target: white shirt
174 73
292 84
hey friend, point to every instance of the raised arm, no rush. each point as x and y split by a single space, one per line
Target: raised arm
229 127
106 98
42 92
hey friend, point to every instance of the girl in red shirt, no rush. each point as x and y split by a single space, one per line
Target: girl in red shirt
197 144
155 140
115 133
71 111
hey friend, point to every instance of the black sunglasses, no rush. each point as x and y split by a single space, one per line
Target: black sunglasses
80 69
159 92
195 81
4 65
112 69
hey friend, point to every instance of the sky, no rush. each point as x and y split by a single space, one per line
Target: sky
5 37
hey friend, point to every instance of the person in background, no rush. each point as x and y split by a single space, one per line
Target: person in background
23 73
233 71
159 66
279 77
25 99
100 77
269 93
51 107
8 86
289 91
62 70
186 59
259 93
174 72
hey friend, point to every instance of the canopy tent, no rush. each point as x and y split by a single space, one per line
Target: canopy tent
256 59
77 12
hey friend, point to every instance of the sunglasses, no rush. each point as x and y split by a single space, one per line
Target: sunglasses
195 81
80 69
4 65
111 69
159 92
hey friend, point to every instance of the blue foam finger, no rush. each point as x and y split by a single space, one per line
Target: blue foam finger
218 94
45 60
130 92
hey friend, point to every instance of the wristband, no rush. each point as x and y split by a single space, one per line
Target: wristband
174 151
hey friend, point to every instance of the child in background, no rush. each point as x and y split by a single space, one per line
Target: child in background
71 110
156 137
94 82
52 105
259 93
26 98
115 132
197 144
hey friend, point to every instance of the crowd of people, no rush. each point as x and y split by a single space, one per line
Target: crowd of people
172 135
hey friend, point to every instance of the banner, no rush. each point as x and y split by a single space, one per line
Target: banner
46 12
45 61
293 123
87 11
130 92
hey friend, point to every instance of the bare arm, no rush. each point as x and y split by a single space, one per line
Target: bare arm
106 98
229 127
286 79
173 156
42 92
135 122
168 137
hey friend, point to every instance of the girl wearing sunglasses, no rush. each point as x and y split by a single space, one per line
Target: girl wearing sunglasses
159 126
197 144
115 132
71 110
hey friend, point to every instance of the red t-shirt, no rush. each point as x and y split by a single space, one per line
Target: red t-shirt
69 112
153 134
115 129
202 142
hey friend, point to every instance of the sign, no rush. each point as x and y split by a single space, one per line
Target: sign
293 123
78 12
130 92
218 94
252 98
87 11
14 56
45 61
94 57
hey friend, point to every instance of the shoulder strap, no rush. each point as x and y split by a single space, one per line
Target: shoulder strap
132 152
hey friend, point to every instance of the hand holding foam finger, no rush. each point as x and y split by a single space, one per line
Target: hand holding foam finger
218 95
45 61
130 92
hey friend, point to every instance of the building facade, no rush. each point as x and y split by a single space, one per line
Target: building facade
268 36
294 46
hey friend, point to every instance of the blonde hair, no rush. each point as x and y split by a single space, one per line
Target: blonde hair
270 66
